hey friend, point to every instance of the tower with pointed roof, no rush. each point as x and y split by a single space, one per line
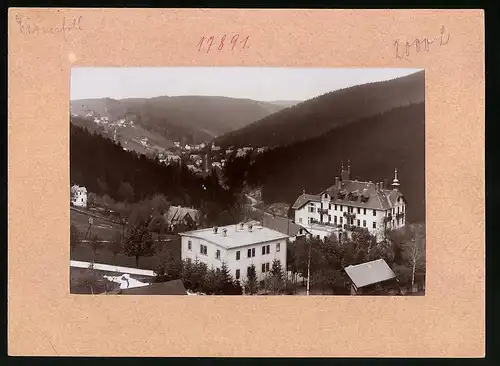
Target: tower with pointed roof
395 181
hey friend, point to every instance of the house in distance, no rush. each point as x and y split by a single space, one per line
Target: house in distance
351 205
239 246
78 196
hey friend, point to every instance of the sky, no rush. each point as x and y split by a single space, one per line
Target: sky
258 83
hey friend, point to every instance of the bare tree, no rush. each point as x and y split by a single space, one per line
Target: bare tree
414 250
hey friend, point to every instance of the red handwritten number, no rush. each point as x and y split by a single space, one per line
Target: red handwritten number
234 40
245 41
221 45
200 43
211 39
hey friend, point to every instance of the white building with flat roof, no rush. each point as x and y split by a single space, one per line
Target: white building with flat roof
238 245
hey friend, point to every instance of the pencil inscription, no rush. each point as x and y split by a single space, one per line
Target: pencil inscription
66 26
211 43
405 49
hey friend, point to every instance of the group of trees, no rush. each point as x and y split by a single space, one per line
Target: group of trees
403 250
105 169
197 277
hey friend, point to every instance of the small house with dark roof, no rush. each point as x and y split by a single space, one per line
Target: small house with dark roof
180 219
285 226
372 278
351 205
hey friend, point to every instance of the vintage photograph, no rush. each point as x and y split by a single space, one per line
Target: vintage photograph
251 181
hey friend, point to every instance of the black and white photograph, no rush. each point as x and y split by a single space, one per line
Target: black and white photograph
250 181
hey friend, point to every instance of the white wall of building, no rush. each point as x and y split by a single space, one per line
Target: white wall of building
229 255
364 217
78 196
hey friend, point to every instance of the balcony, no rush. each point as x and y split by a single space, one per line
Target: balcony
350 215
325 223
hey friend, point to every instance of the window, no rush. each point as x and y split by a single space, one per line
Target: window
238 255
278 247
268 249
340 207
364 223
352 221
398 209
263 250
203 249
358 223
374 225
374 213
335 220
359 210
335 207
263 269
330 206
329 218
300 220
248 271
364 211
341 219
249 253
267 267
253 252
217 254
189 244
237 274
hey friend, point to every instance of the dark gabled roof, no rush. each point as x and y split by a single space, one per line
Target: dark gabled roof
369 273
282 224
177 213
378 199
303 199
175 287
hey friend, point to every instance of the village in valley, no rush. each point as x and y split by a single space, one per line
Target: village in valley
214 216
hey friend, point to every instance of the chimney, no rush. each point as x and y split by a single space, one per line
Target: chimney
381 185
241 225
337 182
215 229
224 232
250 226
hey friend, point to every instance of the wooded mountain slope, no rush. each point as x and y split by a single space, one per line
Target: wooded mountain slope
374 146
316 116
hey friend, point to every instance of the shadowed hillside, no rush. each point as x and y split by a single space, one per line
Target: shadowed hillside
375 146
316 116
188 119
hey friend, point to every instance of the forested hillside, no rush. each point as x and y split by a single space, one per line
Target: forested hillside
374 146
319 115
104 168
